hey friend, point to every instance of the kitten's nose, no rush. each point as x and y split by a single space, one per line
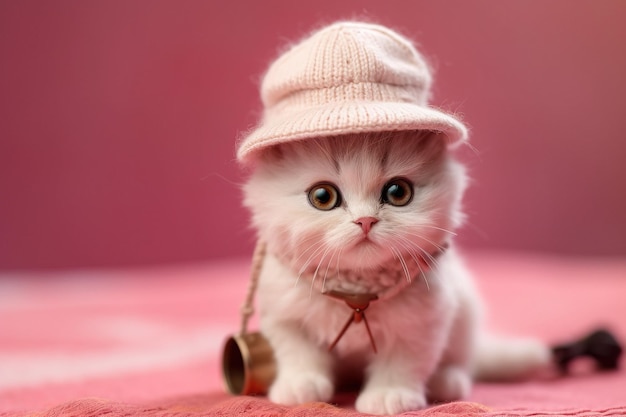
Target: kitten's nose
366 223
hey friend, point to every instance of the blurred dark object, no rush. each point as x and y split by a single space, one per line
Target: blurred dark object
600 345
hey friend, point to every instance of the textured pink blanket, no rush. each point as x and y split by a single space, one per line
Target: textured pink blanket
147 342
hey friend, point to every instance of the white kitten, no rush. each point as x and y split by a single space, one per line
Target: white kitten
370 214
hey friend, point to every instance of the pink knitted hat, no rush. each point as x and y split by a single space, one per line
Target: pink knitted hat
346 78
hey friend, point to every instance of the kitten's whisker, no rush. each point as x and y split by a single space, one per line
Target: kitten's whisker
403 264
427 256
473 149
410 248
320 247
434 263
406 244
315 238
438 228
435 244
427 259
417 261
392 250
327 268
314 249
406 269
338 257
319 264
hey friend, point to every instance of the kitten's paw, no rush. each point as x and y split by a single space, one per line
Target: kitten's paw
302 388
390 400
450 383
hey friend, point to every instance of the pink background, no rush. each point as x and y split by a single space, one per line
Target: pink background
118 121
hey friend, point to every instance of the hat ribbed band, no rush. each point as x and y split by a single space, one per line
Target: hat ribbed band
349 117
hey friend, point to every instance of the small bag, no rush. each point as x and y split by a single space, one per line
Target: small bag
248 364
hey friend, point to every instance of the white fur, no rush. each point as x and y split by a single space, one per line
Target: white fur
425 324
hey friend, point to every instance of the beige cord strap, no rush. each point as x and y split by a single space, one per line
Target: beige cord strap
247 309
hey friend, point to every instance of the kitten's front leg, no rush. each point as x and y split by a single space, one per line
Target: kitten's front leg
304 369
395 383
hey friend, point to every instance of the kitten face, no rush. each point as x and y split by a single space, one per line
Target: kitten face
356 202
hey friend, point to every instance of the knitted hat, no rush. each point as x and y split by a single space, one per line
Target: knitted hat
349 77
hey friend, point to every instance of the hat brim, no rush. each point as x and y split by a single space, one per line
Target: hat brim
346 118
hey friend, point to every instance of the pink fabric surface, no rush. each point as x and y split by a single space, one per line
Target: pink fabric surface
147 341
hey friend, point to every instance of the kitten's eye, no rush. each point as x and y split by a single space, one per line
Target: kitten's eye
324 196
397 192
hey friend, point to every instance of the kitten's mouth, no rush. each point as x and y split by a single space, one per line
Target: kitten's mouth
365 241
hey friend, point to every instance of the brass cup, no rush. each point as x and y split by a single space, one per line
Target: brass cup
248 364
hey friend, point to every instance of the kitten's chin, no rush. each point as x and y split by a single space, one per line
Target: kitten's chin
365 253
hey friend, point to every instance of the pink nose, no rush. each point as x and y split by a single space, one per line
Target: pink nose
366 223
